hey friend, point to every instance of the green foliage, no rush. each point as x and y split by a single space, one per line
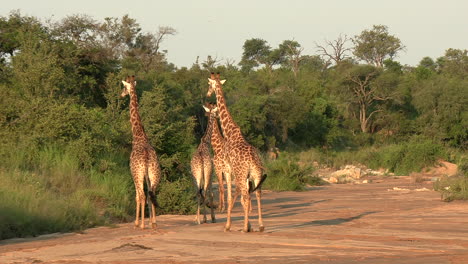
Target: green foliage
453 188
177 197
401 159
284 174
454 63
44 198
375 45
169 130
442 104
65 134
405 158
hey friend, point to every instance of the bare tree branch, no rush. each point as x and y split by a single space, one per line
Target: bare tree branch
335 50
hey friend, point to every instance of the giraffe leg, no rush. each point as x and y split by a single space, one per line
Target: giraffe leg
221 203
208 192
258 194
227 227
245 200
153 216
137 213
213 217
154 177
152 201
142 204
138 171
234 198
197 217
204 206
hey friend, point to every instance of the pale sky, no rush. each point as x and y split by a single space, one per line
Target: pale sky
220 28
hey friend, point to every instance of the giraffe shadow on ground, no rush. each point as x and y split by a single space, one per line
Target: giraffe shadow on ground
277 212
325 222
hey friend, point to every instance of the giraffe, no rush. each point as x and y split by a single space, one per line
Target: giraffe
219 158
144 163
245 164
201 169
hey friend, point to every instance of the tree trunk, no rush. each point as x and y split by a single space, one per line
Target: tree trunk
363 119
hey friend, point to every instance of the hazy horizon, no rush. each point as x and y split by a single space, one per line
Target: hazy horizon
220 28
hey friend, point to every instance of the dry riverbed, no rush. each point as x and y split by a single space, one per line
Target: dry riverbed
386 221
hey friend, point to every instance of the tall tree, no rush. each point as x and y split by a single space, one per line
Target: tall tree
80 29
258 52
335 50
147 48
454 63
292 51
375 45
362 92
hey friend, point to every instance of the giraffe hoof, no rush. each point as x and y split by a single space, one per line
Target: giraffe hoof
261 229
154 225
227 229
247 230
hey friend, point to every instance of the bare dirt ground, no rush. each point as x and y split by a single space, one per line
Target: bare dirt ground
342 223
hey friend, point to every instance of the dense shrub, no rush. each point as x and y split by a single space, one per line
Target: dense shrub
176 197
284 174
409 157
452 188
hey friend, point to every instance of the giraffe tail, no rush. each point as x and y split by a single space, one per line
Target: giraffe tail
253 188
153 199
202 195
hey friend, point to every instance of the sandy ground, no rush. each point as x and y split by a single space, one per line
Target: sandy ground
343 223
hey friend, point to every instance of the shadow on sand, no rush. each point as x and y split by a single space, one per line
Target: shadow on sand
326 222
274 213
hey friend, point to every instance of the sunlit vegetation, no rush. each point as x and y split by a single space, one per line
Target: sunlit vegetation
65 135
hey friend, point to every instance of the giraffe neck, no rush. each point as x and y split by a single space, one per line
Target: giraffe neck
230 129
138 131
217 140
209 128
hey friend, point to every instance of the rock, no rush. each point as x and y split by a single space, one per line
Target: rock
443 168
348 171
424 189
331 180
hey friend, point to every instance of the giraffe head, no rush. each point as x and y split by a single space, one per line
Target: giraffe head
213 82
129 84
211 110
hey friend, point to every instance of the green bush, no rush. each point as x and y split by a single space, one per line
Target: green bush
284 174
452 188
46 191
409 157
29 207
177 197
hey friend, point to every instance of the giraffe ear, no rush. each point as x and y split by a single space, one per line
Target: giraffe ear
134 83
222 81
215 109
206 108
125 83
